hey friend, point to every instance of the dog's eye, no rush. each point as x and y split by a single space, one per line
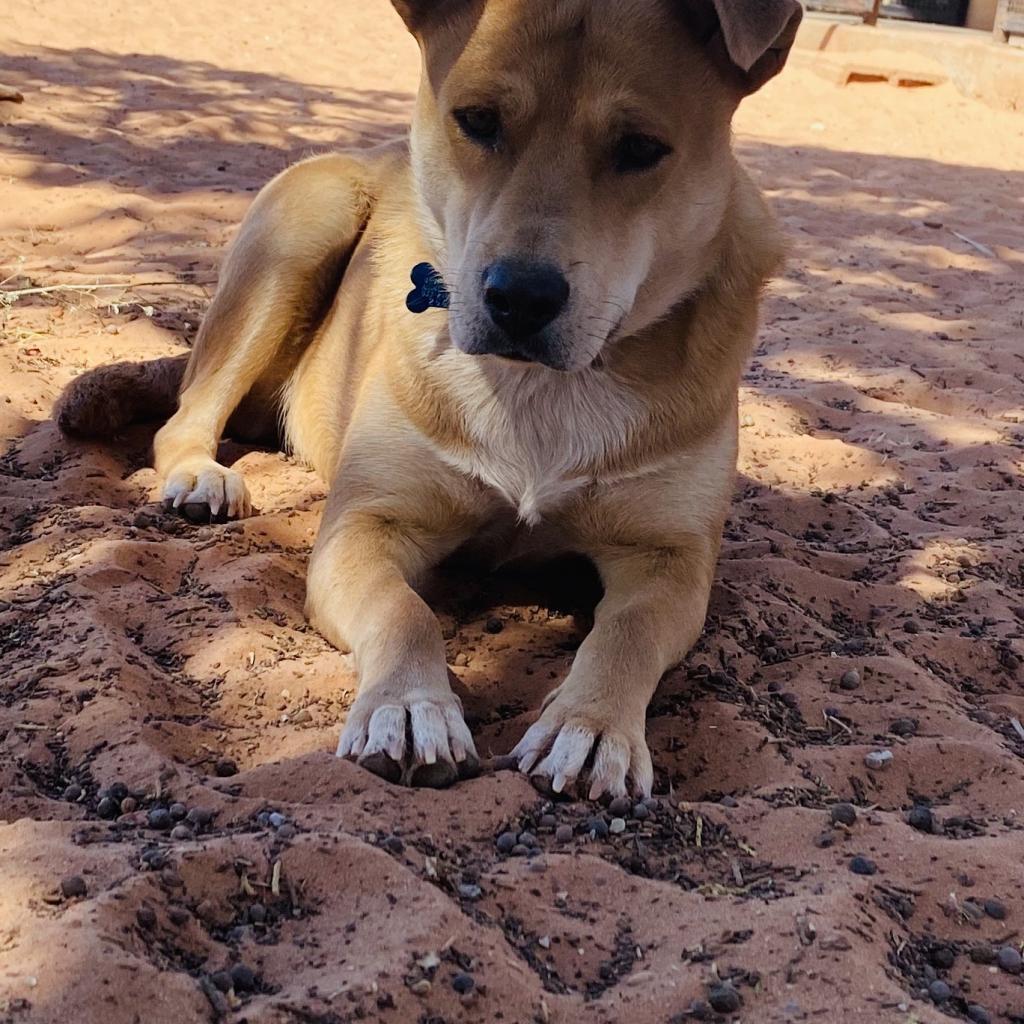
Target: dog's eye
481 125
635 153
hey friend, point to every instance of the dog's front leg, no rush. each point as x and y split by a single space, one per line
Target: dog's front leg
590 736
406 724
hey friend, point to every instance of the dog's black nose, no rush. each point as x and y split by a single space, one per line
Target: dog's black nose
522 298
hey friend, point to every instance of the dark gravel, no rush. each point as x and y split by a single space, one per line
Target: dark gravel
73 887
863 866
921 818
243 978
724 999
463 983
159 818
108 808
996 909
1009 959
850 680
843 814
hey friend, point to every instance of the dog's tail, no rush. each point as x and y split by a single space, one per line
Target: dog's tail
104 401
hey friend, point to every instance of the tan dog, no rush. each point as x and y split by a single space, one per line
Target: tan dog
570 175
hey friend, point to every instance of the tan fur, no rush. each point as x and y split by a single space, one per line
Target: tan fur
628 457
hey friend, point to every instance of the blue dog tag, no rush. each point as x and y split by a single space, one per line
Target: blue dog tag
429 291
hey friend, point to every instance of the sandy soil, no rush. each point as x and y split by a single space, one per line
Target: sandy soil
876 528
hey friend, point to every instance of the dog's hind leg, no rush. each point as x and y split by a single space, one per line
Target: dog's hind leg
278 281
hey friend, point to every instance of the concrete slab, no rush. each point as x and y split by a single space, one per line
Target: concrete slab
910 54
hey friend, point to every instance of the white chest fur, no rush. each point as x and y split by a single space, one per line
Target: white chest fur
537 433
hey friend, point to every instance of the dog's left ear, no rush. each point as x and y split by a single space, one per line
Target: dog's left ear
417 13
755 36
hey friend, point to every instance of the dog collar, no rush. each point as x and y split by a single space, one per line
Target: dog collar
429 290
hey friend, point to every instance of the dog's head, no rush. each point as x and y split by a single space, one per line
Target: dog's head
573 158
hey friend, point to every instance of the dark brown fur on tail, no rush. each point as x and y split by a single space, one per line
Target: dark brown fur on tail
106 400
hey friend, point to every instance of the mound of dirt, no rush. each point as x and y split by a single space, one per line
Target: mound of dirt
178 843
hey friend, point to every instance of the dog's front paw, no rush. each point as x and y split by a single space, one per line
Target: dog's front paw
205 490
414 741
575 746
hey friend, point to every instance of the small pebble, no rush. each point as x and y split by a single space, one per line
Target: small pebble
904 727
221 981
921 818
699 1010
393 844
863 866
978 1014
178 916
850 680
910 626
548 821
225 768
243 978
469 891
118 791
640 812
652 803
995 909
1009 960
598 827
199 817
263 819
463 983
617 826
257 913
146 917
563 834
155 860
825 840
108 808
421 987
620 807
943 957
519 850
128 805
528 839
505 842
276 820
939 992
73 887
729 801
843 814
287 831
878 760
181 833
494 625
73 793
983 954
159 818
724 999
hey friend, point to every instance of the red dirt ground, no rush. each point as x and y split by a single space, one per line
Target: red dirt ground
876 527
